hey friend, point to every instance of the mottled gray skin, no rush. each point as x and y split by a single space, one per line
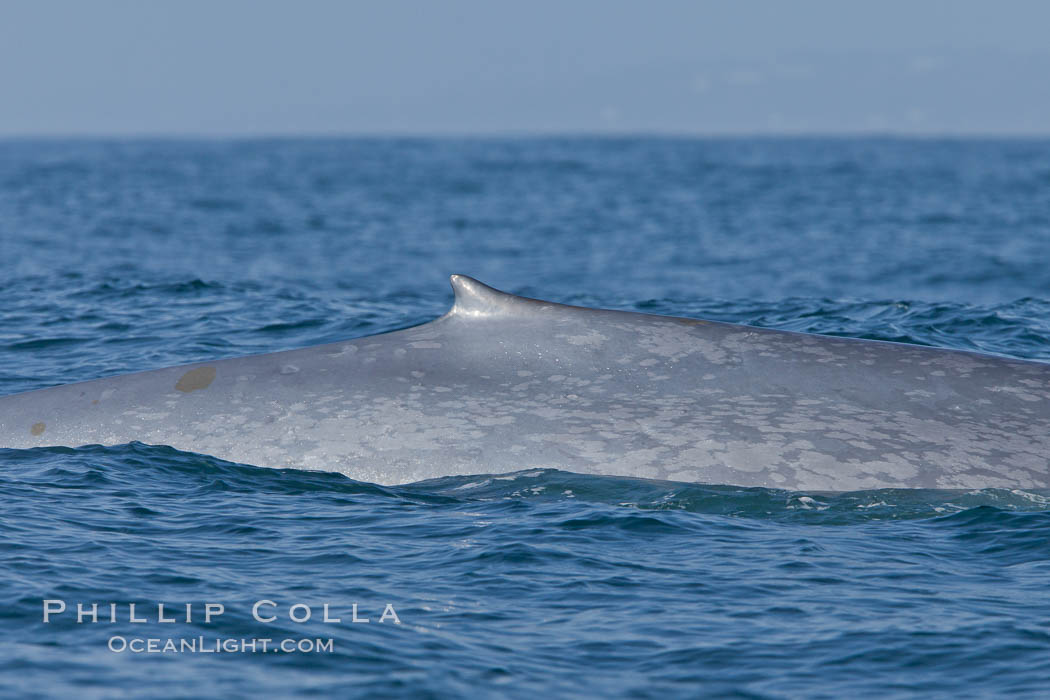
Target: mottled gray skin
503 383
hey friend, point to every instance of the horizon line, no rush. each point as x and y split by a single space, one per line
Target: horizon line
512 134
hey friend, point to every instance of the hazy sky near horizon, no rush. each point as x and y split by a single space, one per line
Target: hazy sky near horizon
474 67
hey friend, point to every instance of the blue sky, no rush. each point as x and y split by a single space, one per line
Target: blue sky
473 67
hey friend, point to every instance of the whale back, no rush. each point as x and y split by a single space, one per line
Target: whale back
502 383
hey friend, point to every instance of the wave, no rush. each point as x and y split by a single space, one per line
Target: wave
150 467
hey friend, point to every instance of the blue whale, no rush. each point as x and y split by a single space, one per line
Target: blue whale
503 383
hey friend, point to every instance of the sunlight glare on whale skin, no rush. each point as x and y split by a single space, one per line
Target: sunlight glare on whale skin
502 383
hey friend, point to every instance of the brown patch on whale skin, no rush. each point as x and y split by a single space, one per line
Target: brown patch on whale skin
37 429
199 378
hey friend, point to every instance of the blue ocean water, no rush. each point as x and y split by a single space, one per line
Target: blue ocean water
126 255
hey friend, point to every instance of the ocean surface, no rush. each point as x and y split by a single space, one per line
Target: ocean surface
119 256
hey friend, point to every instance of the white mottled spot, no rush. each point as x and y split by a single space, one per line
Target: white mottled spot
592 339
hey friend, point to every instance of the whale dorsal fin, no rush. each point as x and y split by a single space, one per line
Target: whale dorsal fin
475 298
